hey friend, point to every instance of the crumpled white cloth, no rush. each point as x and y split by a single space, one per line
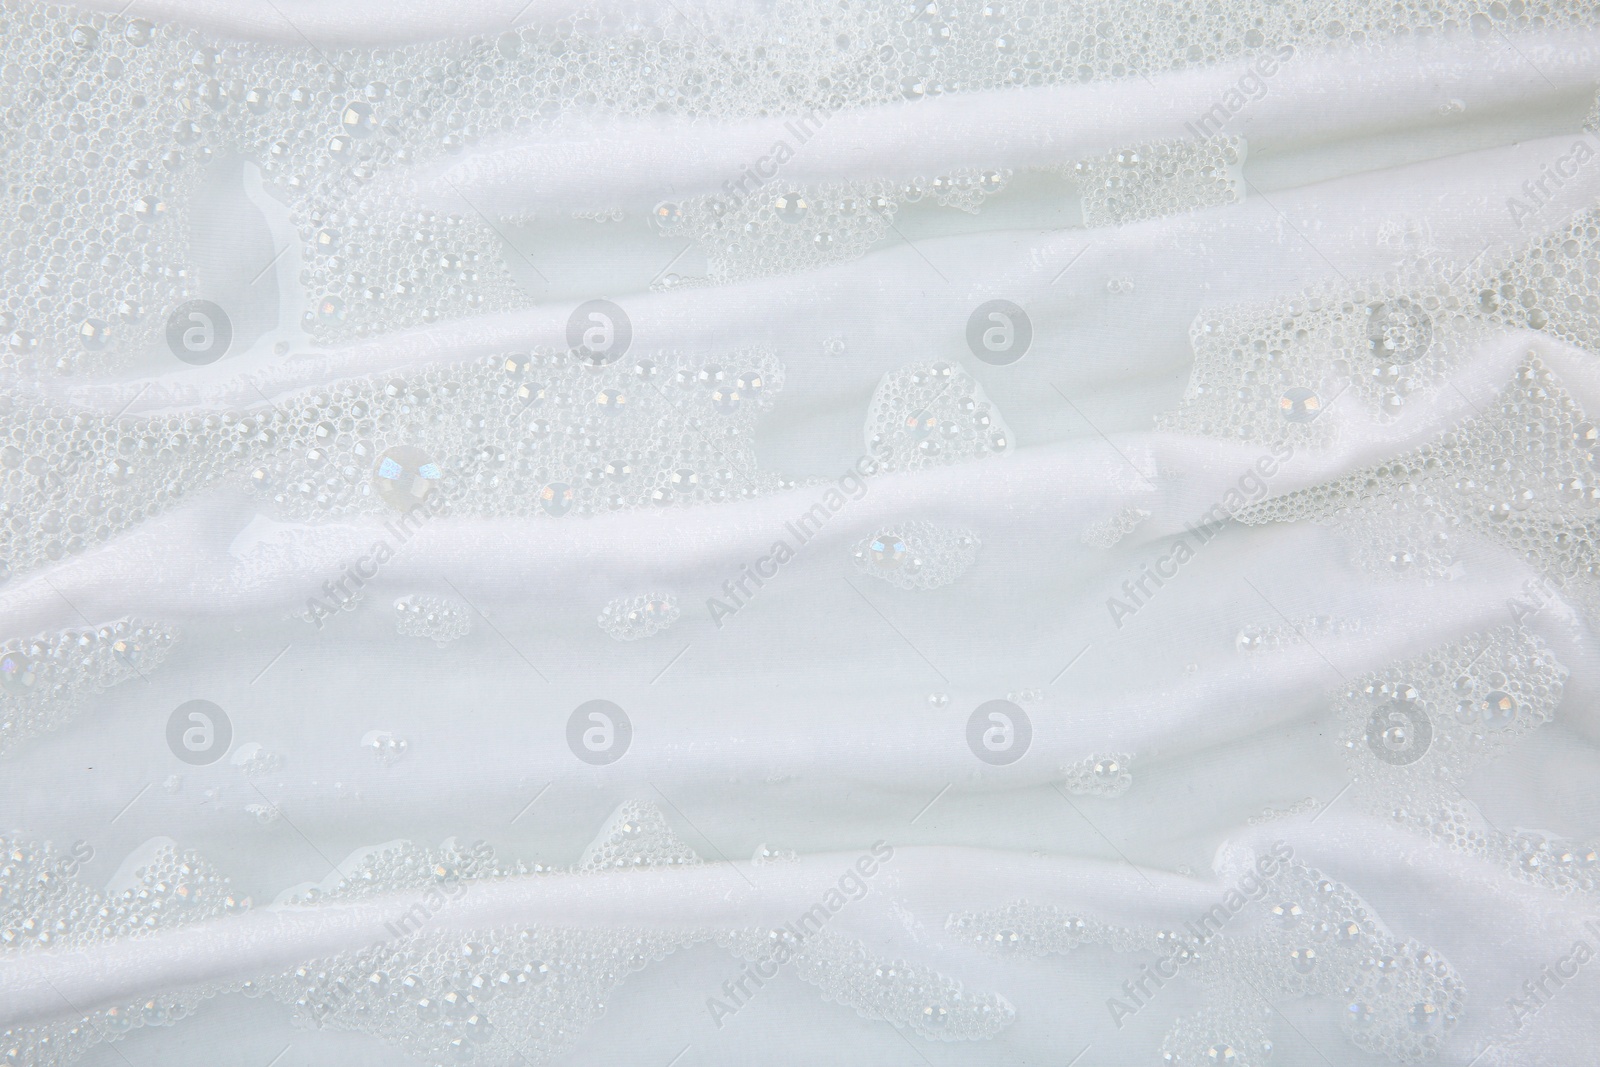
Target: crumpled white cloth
832 710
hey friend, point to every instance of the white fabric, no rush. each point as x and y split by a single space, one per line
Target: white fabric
803 721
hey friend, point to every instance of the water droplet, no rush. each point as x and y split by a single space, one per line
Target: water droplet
388 748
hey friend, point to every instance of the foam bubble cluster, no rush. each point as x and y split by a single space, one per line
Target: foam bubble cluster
917 555
637 835
926 415
1159 178
635 617
130 112
1266 374
536 433
1297 933
489 995
44 904
931 1005
437 618
1305 630
1523 473
46 680
1098 776
1108 531
1415 730
775 229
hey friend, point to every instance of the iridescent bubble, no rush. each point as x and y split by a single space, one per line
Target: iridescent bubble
358 119
1399 331
1499 710
668 216
921 424
887 550
18 675
405 476
556 498
530 394
93 334
792 207
726 398
1299 404
1423 1017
